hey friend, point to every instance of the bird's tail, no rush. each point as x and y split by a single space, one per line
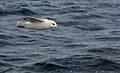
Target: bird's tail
20 24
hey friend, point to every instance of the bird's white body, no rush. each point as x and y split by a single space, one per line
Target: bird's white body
35 23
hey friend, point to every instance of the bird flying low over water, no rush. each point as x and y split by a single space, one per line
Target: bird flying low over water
36 23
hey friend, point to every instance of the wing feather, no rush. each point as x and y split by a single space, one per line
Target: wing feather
32 19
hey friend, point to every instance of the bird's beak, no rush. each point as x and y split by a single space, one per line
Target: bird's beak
55 27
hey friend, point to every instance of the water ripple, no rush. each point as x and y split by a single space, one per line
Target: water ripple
86 41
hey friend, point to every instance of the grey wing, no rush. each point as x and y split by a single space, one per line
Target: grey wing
32 19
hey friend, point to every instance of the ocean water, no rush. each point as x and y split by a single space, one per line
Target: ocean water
87 39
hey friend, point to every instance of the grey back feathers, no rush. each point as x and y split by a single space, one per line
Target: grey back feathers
32 19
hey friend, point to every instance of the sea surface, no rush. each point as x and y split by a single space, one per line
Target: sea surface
87 39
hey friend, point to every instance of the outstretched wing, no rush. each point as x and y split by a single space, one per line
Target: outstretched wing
32 19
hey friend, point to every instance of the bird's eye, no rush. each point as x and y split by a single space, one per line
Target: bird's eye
53 24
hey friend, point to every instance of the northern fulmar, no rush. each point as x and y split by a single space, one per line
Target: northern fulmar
36 23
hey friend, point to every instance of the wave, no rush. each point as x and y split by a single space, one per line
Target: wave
108 38
105 50
2 63
76 63
45 66
49 65
91 28
4 70
103 64
21 11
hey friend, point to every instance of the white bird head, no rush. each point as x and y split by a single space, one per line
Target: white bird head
51 23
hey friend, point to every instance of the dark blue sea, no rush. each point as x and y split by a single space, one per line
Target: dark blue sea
87 39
